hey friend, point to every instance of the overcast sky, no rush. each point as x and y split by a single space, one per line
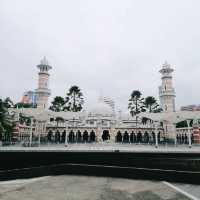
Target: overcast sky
104 46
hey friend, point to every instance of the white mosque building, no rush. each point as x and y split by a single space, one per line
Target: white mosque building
101 124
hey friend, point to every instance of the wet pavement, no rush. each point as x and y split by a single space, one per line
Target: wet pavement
68 187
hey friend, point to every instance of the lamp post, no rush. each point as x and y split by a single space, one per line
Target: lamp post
189 133
175 140
66 129
31 132
156 133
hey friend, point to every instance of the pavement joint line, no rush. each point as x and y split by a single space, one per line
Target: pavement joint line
180 190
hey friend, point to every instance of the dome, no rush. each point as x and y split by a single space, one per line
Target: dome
102 109
126 115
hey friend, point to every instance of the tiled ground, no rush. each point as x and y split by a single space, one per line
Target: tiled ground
86 188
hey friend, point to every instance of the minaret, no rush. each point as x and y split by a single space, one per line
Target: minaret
166 90
42 92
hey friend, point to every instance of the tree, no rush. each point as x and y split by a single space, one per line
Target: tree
151 104
6 123
136 103
58 104
74 99
8 102
23 105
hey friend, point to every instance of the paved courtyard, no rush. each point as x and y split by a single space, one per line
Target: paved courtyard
105 147
87 188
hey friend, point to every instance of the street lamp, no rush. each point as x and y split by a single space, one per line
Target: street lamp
189 133
156 133
31 132
66 129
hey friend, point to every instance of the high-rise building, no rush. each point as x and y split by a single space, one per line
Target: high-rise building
166 90
43 91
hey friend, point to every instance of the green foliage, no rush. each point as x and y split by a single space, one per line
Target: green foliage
24 120
74 99
152 105
23 105
57 104
6 123
183 124
136 103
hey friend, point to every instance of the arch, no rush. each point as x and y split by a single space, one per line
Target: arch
92 136
146 137
78 136
192 138
133 138
119 137
105 135
50 135
71 137
63 136
159 137
153 137
57 136
186 139
178 138
139 137
126 137
85 136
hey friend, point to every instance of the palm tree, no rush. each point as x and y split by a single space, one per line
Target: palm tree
136 104
152 105
74 99
57 104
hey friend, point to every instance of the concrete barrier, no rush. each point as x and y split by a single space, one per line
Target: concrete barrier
181 167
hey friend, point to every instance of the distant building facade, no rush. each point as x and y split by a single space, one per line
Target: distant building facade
29 97
190 108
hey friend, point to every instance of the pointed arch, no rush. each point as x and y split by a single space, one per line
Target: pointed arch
50 135
92 136
105 135
71 137
57 136
85 136
126 137
63 136
78 136
119 137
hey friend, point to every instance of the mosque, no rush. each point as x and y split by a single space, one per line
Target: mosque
101 124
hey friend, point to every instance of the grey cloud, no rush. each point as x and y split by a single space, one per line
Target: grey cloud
111 46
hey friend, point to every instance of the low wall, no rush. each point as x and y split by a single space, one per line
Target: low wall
182 167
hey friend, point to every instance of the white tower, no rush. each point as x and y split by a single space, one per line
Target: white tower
166 90
42 92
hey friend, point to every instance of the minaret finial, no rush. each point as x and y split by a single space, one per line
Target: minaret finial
166 64
44 61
